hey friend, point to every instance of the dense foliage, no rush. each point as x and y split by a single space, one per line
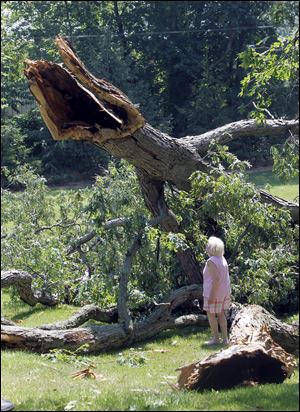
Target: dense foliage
40 227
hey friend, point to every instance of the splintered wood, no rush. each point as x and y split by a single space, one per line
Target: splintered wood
75 104
253 356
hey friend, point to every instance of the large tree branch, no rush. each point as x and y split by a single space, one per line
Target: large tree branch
101 338
154 197
278 202
241 129
94 110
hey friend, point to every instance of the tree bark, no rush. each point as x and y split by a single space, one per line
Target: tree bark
260 352
22 281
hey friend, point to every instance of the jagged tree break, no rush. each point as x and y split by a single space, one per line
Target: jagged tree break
76 105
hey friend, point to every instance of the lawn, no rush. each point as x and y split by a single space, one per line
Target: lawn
35 383
268 180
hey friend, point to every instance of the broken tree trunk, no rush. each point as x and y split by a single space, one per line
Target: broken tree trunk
260 351
76 105
106 337
22 281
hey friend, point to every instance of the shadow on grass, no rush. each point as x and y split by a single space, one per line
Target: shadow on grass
213 348
172 333
27 313
160 338
48 404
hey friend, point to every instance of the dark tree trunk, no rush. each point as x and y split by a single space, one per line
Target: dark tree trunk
153 193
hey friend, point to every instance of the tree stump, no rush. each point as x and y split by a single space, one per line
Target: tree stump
260 351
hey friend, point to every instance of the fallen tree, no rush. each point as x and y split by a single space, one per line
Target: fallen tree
105 337
76 105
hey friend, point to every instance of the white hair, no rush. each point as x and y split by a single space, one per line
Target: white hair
215 246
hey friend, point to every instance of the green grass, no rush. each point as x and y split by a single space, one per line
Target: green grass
34 383
286 190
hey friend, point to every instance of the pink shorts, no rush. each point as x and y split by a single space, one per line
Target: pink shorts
217 306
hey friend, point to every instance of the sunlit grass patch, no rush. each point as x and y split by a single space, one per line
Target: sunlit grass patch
268 180
26 315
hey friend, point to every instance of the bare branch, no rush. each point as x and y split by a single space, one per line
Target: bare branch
61 224
86 313
121 221
241 129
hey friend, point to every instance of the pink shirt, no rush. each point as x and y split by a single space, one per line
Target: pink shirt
223 289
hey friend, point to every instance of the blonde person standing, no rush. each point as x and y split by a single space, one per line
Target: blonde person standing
216 290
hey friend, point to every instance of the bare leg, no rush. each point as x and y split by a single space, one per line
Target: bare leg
213 322
223 325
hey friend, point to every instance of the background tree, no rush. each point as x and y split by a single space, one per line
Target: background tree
178 61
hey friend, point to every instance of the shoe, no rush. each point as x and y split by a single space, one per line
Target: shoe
212 342
225 342
6 405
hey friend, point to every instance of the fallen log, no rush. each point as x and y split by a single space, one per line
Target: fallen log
87 312
107 337
22 281
260 351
